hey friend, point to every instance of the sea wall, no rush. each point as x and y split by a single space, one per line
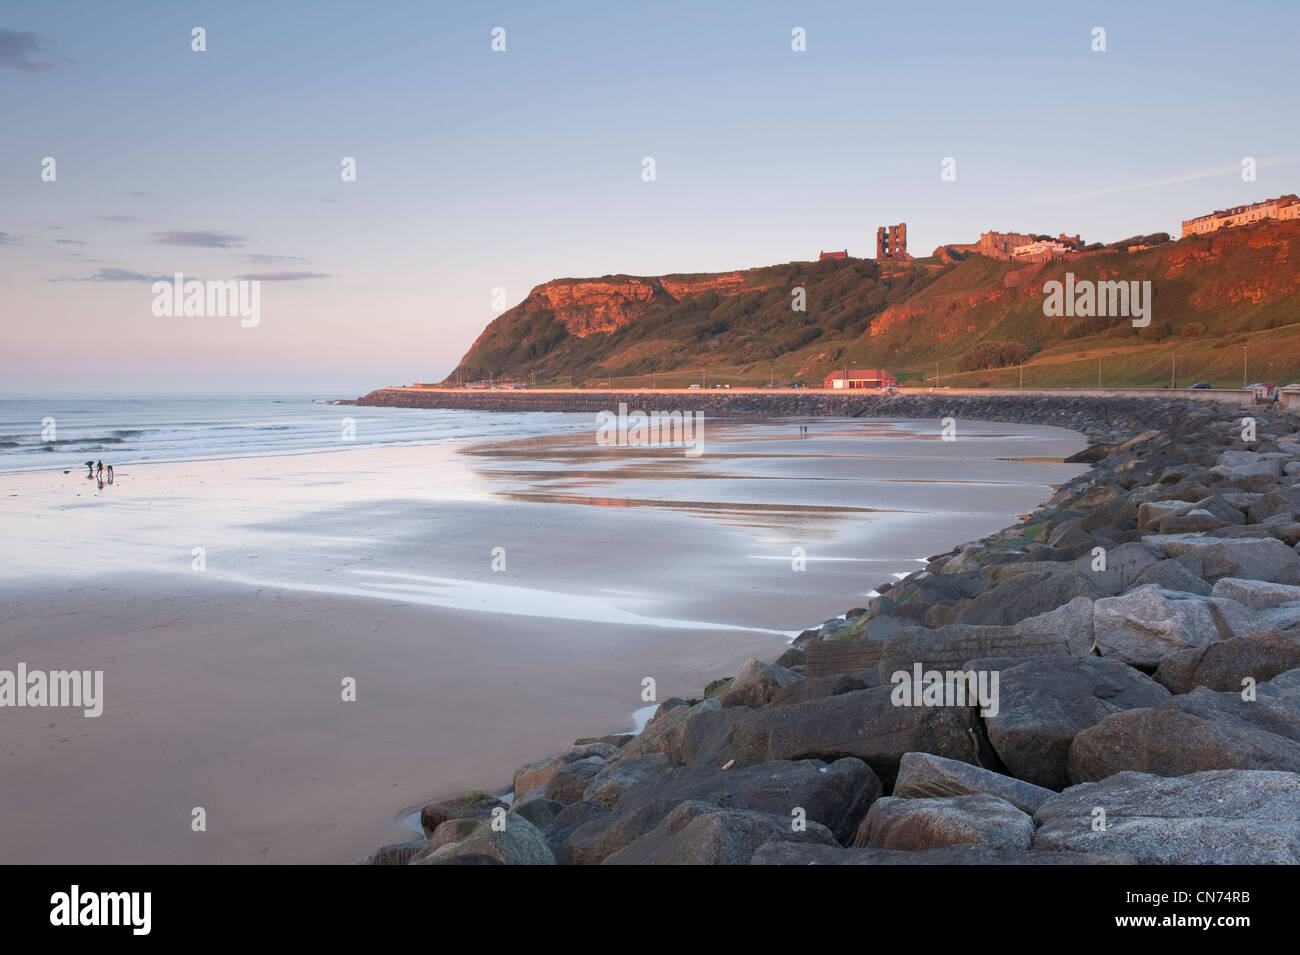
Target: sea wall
1132 647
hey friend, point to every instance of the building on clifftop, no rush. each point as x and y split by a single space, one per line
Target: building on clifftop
1283 207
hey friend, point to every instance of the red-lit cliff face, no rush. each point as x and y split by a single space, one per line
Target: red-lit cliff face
902 316
1196 279
587 306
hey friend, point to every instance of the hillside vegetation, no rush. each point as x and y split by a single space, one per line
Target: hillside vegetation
1211 296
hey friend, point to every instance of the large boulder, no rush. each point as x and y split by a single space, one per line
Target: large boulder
669 729
1255 594
1024 595
1252 558
1071 622
1224 666
470 805
699 833
816 688
947 648
1044 703
922 775
568 783
1173 574
1149 514
919 824
1280 503
1198 731
837 795
517 842
616 778
1231 817
756 684
867 724
536 774
1145 625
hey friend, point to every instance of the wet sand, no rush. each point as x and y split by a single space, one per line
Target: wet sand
223 685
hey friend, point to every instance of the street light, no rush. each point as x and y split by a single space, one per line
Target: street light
1245 378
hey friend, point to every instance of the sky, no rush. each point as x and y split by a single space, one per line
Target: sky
481 169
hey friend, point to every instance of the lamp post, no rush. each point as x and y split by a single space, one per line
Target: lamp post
1245 378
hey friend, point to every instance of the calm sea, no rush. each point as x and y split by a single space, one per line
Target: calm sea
39 432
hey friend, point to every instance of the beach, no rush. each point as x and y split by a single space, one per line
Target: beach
492 600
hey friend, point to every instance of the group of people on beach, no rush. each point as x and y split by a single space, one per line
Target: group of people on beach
98 471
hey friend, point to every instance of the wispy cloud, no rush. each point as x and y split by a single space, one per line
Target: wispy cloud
17 50
330 201
258 259
138 194
7 239
282 276
1175 180
116 218
68 242
116 275
202 239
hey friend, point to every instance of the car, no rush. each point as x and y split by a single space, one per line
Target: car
695 386
1198 386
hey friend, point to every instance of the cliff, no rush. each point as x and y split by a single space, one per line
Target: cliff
743 326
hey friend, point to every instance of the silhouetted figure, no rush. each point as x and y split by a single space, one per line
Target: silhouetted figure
90 469
99 469
110 474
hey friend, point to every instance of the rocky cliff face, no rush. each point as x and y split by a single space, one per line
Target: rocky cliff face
588 306
903 316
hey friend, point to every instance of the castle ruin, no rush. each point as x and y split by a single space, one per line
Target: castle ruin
891 242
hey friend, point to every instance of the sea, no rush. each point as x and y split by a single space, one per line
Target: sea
44 432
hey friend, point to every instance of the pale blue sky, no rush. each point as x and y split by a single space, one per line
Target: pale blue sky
478 169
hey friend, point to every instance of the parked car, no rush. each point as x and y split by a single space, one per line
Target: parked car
1264 391
695 386
1199 385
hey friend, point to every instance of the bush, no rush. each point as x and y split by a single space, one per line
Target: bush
988 355
1193 330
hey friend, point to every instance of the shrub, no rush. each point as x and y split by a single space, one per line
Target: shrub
1193 330
987 355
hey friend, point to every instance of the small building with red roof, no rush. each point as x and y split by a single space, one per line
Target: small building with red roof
861 378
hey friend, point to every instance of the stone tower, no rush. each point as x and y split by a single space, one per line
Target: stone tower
891 242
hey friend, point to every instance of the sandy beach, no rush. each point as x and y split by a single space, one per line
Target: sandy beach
223 668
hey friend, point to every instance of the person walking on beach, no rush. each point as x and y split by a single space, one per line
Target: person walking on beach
110 474
99 469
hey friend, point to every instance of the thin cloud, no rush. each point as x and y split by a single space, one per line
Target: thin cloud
116 275
117 218
281 276
1174 180
138 194
7 239
201 239
17 50
68 242
259 259
330 201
